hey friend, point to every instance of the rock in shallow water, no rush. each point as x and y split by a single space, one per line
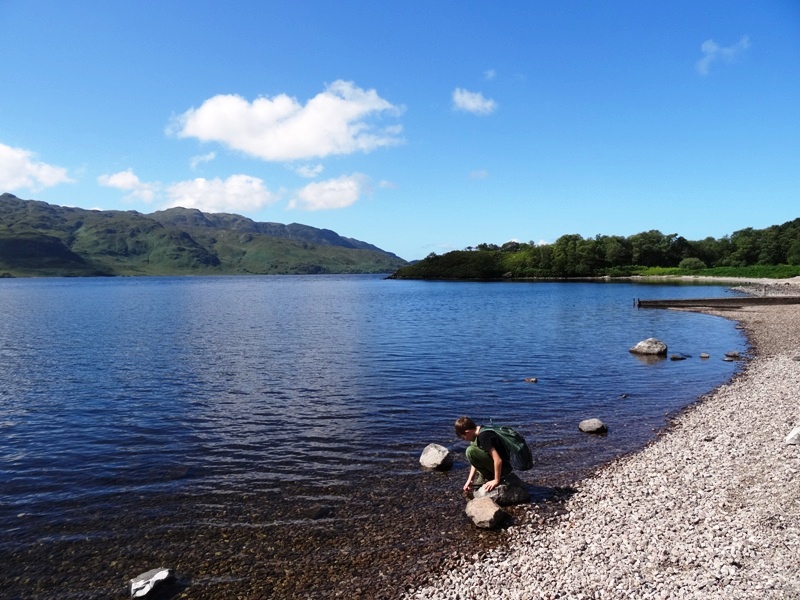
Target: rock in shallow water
437 457
143 584
485 512
650 347
592 426
506 494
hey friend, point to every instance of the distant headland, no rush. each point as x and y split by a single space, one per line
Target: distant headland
38 239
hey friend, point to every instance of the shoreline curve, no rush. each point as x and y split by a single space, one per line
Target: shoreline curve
707 510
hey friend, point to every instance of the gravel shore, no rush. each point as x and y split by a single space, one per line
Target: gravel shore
711 509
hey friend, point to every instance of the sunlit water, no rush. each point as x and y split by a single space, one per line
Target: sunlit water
146 387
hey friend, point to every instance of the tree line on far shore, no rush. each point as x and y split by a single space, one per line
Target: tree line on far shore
770 252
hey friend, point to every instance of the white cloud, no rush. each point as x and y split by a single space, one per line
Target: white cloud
489 74
335 121
332 193
203 158
236 193
712 52
309 171
385 184
472 102
479 174
128 181
19 169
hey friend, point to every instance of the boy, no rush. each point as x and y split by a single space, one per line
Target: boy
486 454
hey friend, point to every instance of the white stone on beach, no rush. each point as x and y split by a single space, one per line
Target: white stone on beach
793 437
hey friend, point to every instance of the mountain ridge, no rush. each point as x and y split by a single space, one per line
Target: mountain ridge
42 239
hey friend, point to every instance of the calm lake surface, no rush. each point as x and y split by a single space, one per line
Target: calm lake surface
266 406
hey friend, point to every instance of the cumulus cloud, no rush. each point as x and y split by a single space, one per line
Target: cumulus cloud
309 171
234 194
19 169
203 158
472 102
713 52
335 121
329 194
128 181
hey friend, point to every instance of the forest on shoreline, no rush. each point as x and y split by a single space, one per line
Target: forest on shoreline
773 252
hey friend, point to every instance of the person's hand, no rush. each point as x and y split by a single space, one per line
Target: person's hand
467 485
490 485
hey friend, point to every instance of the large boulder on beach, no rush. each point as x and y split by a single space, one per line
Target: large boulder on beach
510 491
592 426
650 347
436 457
485 513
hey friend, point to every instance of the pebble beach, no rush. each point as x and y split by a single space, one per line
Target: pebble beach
710 509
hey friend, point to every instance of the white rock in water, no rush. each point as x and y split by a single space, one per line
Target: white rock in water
650 346
435 456
143 584
592 426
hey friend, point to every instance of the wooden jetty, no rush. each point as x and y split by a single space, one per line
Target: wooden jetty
727 302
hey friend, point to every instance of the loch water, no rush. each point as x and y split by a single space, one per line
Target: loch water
137 414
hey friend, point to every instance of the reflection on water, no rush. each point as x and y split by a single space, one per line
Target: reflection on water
142 391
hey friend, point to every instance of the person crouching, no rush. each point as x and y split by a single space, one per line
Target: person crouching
486 454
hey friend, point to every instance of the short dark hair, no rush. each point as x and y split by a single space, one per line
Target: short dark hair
464 424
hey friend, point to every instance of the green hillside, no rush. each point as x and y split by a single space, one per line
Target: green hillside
40 239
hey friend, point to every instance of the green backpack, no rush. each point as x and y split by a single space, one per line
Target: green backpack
519 454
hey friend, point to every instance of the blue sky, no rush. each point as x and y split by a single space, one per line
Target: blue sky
416 126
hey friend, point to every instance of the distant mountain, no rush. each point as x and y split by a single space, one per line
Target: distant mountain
41 239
